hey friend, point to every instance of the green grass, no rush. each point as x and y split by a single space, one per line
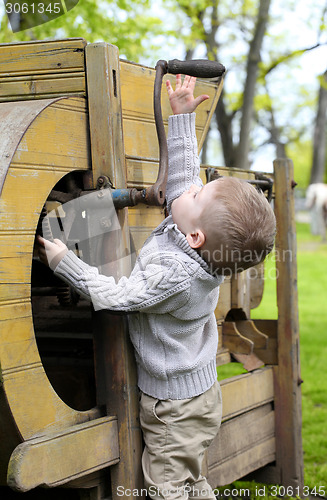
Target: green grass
312 287
312 295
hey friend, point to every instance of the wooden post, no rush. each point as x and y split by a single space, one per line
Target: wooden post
289 455
114 356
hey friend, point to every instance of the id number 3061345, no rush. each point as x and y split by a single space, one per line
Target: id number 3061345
33 8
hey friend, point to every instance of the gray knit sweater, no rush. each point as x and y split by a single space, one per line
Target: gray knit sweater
171 289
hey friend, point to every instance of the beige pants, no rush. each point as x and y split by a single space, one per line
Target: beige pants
176 435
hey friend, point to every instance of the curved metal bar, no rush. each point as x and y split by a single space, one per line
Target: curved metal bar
156 194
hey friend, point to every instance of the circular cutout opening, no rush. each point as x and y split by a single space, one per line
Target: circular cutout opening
62 319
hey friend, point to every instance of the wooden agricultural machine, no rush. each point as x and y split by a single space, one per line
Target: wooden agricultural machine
76 119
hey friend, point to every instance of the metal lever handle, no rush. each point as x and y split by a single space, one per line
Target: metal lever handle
156 194
196 67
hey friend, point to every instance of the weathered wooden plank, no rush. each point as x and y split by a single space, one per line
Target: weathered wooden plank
14 291
15 257
247 391
39 57
287 374
144 216
256 274
236 468
223 357
16 340
234 172
268 354
141 138
267 326
234 340
249 361
104 101
248 329
240 434
40 409
58 138
55 143
224 302
142 221
14 310
55 459
141 172
15 118
115 363
35 184
240 287
24 88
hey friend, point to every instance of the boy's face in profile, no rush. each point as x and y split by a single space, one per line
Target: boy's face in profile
187 209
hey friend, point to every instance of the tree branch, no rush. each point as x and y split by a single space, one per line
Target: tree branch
290 55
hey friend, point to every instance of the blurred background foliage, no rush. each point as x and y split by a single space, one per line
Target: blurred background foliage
274 102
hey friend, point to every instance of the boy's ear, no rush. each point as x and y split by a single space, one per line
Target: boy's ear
196 239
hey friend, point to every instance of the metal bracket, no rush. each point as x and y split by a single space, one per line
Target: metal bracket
261 181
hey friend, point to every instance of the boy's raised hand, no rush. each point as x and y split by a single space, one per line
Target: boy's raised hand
51 253
181 99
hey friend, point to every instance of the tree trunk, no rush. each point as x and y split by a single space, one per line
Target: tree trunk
224 122
14 18
250 84
319 137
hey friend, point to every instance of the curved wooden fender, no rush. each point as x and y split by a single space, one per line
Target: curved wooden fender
15 119
41 141
56 458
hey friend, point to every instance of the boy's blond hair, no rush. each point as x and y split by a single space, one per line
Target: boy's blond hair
240 226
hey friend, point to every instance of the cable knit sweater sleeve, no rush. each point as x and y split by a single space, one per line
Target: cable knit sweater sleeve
184 163
157 282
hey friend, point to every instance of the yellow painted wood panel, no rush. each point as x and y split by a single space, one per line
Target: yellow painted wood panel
17 347
35 405
15 257
144 216
142 221
141 140
14 310
23 197
43 87
14 291
141 172
40 56
57 138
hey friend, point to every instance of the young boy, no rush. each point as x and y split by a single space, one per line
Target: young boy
212 230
